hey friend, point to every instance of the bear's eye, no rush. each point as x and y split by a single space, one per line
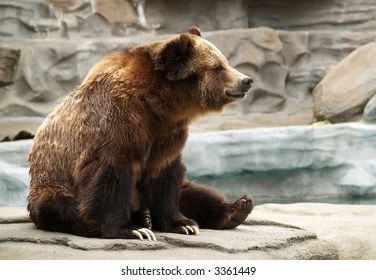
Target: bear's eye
219 68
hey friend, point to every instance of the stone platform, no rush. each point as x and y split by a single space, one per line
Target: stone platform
256 239
351 228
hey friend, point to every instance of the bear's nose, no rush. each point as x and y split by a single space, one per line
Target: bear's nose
247 83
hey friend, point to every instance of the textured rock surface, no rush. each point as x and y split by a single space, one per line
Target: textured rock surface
291 164
259 239
352 228
369 114
345 91
356 15
209 15
98 18
8 63
37 19
116 11
26 19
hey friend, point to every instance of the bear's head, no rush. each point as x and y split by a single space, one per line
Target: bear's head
199 71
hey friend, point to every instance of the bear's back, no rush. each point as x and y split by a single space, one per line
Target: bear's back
101 110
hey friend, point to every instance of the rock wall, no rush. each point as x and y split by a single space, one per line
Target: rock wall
115 18
338 15
102 18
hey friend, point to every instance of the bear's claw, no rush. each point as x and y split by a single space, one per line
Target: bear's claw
189 230
144 232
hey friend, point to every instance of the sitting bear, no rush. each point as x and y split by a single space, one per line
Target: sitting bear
107 161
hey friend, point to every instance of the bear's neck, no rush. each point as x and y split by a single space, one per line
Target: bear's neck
172 102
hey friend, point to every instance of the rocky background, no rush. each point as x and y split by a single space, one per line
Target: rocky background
47 48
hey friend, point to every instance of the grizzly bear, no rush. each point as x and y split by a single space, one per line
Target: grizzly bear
107 161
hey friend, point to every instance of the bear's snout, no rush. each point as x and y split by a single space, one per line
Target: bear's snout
241 89
246 84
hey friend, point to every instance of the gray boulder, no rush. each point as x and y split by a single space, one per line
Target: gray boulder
344 92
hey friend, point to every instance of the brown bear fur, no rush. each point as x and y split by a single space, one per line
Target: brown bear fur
112 150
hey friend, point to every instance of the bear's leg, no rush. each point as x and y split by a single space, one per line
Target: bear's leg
55 209
161 194
105 193
211 209
142 218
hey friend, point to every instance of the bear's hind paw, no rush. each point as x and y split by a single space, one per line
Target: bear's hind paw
243 207
244 204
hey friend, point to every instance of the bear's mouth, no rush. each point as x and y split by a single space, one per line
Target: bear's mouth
235 94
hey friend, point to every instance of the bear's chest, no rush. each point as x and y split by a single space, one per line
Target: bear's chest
162 150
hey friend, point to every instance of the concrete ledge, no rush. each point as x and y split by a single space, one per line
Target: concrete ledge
273 231
351 228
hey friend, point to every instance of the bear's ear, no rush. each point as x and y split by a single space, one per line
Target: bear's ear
194 30
174 58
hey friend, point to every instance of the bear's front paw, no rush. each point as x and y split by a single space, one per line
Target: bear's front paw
186 226
144 232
